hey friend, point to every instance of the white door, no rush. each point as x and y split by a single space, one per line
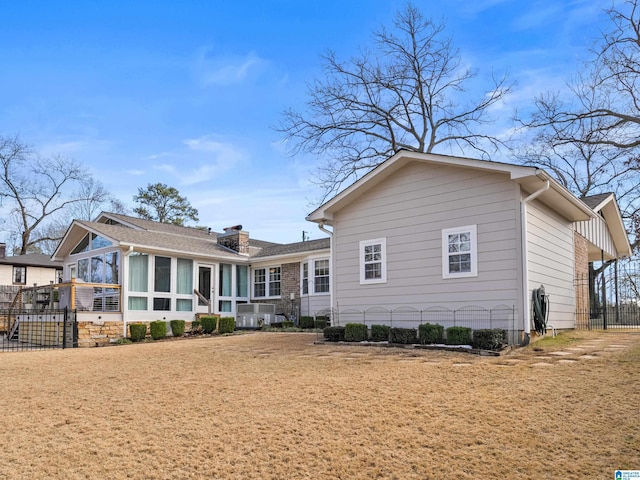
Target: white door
206 287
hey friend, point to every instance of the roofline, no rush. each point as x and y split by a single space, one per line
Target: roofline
285 256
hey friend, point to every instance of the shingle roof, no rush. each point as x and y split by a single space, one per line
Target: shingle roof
593 201
292 248
31 260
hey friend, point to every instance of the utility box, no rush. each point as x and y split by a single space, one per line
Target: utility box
255 315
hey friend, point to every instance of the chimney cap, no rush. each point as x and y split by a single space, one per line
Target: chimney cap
235 227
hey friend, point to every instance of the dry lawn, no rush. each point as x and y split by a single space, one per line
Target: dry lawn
276 406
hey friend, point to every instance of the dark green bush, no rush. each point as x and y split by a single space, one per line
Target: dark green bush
458 336
379 333
196 327
306 322
287 324
334 334
177 327
355 332
227 324
403 335
158 329
321 322
208 324
489 339
429 333
137 331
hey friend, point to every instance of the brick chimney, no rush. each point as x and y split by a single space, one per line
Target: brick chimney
3 250
235 238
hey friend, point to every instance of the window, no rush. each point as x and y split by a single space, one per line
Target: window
459 252
185 276
305 278
112 267
162 275
321 276
97 269
266 282
224 286
83 269
20 275
373 261
242 281
138 272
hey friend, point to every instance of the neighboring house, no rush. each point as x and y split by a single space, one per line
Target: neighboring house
433 234
139 270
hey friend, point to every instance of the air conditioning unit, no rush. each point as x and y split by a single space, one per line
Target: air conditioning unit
254 315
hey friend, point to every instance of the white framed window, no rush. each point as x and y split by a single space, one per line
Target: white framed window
373 261
460 252
321 276
266 282
19 275
305 278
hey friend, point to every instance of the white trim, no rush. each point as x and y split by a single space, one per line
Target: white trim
383 261
446 232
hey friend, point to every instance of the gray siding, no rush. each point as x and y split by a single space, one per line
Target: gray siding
552 262
410 209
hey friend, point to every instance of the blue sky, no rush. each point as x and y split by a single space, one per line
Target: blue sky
186 93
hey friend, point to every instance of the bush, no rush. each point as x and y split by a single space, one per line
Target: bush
227 324
429 333
158 329
355 332
137 331
489 339
402 335
196 327
287 324
321 322
177 327
208 324
334 334
458 336
379 333
307 322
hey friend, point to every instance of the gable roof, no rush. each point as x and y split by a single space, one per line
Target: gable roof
295 248
31 260
606 205
531 179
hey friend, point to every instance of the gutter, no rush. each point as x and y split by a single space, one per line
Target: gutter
332 275
124 297
526 304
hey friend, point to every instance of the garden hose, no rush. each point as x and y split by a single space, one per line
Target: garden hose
540 310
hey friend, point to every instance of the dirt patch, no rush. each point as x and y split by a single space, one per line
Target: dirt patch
275 406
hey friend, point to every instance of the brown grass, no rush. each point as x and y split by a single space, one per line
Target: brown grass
275 406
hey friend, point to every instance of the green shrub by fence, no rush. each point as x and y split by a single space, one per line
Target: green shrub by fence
158 329
177 327
196 327
489 339
458 336
321 322
306 322
355 332
137 331
227 324
429 333
334 334
402 335
379 333
208 324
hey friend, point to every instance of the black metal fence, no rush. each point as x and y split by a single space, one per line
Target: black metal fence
33 329
611 296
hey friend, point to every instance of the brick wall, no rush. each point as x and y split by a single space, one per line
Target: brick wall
582 279
289 283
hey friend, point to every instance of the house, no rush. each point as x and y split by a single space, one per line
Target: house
124 269
24 270
461 241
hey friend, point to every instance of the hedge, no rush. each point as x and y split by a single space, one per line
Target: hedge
158 329
429 333
458 336
208 324
137 331
379 333
321 322
306 322
489 339
334 334
196 327
355 332
177 327
402 335
227 324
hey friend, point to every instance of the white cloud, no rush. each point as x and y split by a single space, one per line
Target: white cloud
229 69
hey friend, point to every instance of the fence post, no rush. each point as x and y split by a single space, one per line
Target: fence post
64 329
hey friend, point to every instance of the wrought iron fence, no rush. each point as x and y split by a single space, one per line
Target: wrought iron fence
37 329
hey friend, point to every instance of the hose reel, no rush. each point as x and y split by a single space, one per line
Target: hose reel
540 303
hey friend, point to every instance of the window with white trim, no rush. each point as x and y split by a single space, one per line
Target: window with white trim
266 282
373 261
321 276
459 252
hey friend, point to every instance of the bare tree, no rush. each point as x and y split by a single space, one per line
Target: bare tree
409 93
40 192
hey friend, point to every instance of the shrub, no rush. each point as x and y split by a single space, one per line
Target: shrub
458 336
321 322
355 332
287 324
489 339
402 335
307 322
196 327
208 324
158 329
429 333
334 334
227 324
177 327
137 331
379 333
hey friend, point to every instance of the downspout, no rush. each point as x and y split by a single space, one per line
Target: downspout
525 260
123 292
332 275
